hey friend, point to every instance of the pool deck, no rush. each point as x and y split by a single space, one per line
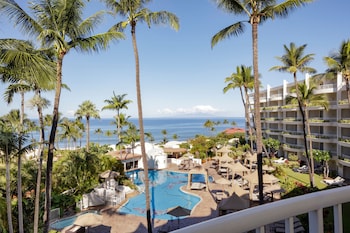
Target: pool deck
206 209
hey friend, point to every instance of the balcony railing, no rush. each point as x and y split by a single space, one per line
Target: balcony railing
260 217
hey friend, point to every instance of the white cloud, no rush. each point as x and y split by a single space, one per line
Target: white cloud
198 109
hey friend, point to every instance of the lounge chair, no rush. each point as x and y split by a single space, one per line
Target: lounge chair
336 181
302 169
197 186
219 196
280 160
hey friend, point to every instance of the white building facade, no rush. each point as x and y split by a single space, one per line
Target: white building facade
330 128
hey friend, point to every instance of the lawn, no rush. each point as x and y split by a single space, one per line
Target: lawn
304 178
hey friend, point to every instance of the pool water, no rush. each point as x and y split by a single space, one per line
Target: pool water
165 193
65 222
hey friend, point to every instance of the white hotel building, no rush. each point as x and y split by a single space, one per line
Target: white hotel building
330 129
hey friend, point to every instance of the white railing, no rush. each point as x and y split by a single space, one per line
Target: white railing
256 218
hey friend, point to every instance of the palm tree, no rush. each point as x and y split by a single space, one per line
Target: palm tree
165 133
340 62
244 80
87 109
117 102
59 25
209 125
19 125
11 144
8 143
40 103
295 61
121 120
258 11
309 99
98 131
19 58
135 12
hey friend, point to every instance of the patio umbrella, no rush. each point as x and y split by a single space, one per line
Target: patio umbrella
178 211
88 219
223 182
99 229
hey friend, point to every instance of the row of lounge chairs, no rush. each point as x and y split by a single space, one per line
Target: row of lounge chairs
187 165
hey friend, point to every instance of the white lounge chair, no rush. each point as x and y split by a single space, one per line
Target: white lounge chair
280 160
336 181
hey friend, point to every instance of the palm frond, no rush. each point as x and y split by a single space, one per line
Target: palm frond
232 30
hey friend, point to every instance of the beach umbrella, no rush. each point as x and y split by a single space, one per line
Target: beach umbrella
223 182
99 229
234 203
88 219
178 211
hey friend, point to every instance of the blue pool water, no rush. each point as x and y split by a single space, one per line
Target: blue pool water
65 222
165 193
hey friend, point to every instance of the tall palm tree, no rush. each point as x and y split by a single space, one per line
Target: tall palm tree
19 57
117 102
294 61
135 11
258 11
340 62
8 143
11 144
307 98
58 24
40 103
19 124
87 109
244 81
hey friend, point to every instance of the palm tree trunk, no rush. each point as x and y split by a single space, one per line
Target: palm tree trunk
257 107
247 118
19 169
304 129
312 168
142 136
88 133
8 192
48 185
38 179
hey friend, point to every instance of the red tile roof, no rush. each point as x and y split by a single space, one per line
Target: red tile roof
234 130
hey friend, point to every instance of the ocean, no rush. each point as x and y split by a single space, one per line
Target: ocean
184 128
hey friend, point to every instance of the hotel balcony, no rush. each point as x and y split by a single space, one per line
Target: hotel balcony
271 109
276 97
323 122
326 88
324 138
273 131
293 121
344 123
261 218
293 148
344 141
291 134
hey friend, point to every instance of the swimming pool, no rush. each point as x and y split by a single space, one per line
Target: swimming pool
65 222
165 193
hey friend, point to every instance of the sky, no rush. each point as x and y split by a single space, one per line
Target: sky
181 75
